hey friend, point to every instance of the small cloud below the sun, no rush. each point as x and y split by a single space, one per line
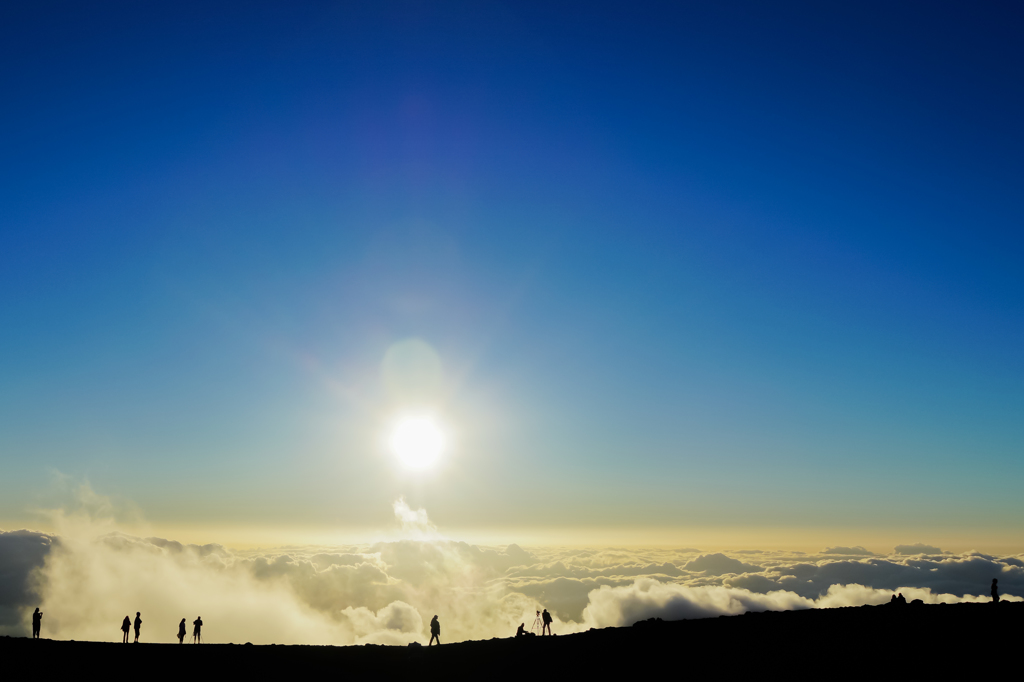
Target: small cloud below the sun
414 522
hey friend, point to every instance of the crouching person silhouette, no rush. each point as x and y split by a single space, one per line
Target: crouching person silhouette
435 631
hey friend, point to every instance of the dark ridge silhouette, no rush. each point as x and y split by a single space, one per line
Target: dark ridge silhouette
126 625
435 632
930 641
37 622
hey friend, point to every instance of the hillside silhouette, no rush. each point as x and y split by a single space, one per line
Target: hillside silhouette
913 639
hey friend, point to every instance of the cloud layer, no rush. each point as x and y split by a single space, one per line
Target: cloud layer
87 579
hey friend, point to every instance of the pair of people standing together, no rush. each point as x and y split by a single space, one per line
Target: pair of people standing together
196 630
126 625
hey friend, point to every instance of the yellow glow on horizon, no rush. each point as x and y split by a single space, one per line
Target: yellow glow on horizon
418 442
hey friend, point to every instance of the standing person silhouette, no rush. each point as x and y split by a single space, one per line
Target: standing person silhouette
547 623
181 631
995 590
435 632
126 625
197 630
138 625
37 623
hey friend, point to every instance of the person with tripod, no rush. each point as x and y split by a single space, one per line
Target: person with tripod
547 623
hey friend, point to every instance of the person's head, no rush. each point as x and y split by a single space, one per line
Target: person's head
137 613
994 581
37 609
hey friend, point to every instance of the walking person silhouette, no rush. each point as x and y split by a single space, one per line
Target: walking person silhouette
181 631
37 623
126 625
197 630
995 590
547 623
138 625
435 632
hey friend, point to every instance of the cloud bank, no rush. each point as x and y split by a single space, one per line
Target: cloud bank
87 578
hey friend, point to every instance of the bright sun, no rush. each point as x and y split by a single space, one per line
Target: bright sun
418 442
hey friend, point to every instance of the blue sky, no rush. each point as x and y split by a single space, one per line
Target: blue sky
683 266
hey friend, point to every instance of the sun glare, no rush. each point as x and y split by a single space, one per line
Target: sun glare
417 442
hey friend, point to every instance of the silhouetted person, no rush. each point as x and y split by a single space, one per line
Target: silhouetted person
181 631
435 632
547 623
197 630
995 590
126 625
138 625
37 623
894 600
521 632
901 600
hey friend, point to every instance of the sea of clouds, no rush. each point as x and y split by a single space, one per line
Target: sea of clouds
87 577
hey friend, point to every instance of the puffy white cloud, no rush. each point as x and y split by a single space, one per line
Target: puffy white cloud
647 598
396 623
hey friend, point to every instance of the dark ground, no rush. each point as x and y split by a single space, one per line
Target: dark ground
869 641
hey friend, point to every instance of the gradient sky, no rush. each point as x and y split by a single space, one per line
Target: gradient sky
684 266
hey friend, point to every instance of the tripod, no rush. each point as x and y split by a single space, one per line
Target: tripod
538 624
